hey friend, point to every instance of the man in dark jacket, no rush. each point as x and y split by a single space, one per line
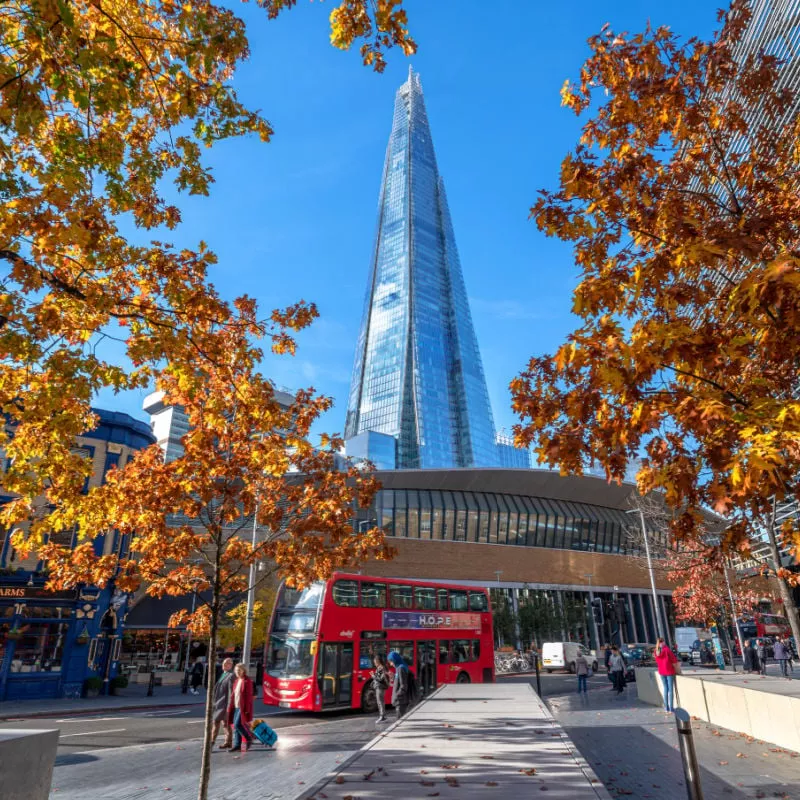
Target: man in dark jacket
222 699
400 695
750 657
761 652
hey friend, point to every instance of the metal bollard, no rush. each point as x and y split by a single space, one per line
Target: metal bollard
185 683
538 677
694 791
151 683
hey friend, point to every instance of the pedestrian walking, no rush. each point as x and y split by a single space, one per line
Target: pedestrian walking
761 652
616 665
607 656
781 653
222 699
665 662
750 656
400 688
380 680
196 676
582 671
240 710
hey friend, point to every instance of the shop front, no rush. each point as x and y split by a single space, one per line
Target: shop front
57 644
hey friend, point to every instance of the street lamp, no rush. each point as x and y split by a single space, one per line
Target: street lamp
251 598
735 615
659 621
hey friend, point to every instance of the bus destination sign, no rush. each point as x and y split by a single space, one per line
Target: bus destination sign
432 621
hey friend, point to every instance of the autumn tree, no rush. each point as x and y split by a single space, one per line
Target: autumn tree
680 202
100 106
231 632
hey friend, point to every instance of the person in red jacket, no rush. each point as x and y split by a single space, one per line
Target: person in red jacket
665 661
240 710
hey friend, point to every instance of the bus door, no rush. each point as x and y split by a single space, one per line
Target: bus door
426 666
335 673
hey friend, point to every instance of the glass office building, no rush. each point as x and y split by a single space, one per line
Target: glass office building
418 375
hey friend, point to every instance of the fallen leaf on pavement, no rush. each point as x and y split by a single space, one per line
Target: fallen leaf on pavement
723 763
491 783
428 783
741 755
339 779
531 771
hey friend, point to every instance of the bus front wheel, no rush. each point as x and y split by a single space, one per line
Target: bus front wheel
369 703
462 678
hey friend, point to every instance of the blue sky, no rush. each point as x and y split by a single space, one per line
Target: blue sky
295 218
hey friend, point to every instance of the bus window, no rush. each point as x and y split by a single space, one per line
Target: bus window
368 651
477 602
290 657
458 600
373 595
476 650
424 598
345 593
406 649
461 648
444 651
442 596
295 621
400 596
309 597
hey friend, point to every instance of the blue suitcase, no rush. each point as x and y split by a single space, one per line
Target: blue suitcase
265 734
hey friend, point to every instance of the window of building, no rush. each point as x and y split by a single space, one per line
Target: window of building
373 595
425 531
40 647
345 593
401 597
413 514
425 598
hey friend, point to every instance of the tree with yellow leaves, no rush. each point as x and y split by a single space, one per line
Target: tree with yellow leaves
681 203
100 104
231 634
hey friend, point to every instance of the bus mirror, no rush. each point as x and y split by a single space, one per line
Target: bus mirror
314 647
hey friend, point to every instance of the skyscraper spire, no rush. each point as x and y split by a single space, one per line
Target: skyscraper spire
418 375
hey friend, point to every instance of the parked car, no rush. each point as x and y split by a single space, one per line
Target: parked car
638 655
562 655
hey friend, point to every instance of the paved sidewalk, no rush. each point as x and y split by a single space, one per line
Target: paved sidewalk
633 748
303 755
773 682
471 742
134 696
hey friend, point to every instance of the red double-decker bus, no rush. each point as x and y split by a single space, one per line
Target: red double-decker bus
763 625
323 638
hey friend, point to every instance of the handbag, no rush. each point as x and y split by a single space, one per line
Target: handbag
677 666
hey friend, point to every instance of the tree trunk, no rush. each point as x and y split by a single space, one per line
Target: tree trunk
783 587
208 744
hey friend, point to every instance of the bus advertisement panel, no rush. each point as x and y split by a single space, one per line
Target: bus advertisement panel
322 639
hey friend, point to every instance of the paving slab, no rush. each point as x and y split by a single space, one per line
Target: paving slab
467 741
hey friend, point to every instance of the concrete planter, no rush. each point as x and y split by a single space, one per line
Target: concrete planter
26 763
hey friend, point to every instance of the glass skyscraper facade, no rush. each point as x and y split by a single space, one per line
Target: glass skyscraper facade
418 375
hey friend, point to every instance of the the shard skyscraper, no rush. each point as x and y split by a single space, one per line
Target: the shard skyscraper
418 396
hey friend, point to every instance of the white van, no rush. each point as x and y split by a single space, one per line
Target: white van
562 655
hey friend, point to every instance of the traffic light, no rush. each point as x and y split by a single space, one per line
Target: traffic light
597 611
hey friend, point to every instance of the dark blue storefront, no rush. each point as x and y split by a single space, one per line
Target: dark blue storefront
52 642
63 644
